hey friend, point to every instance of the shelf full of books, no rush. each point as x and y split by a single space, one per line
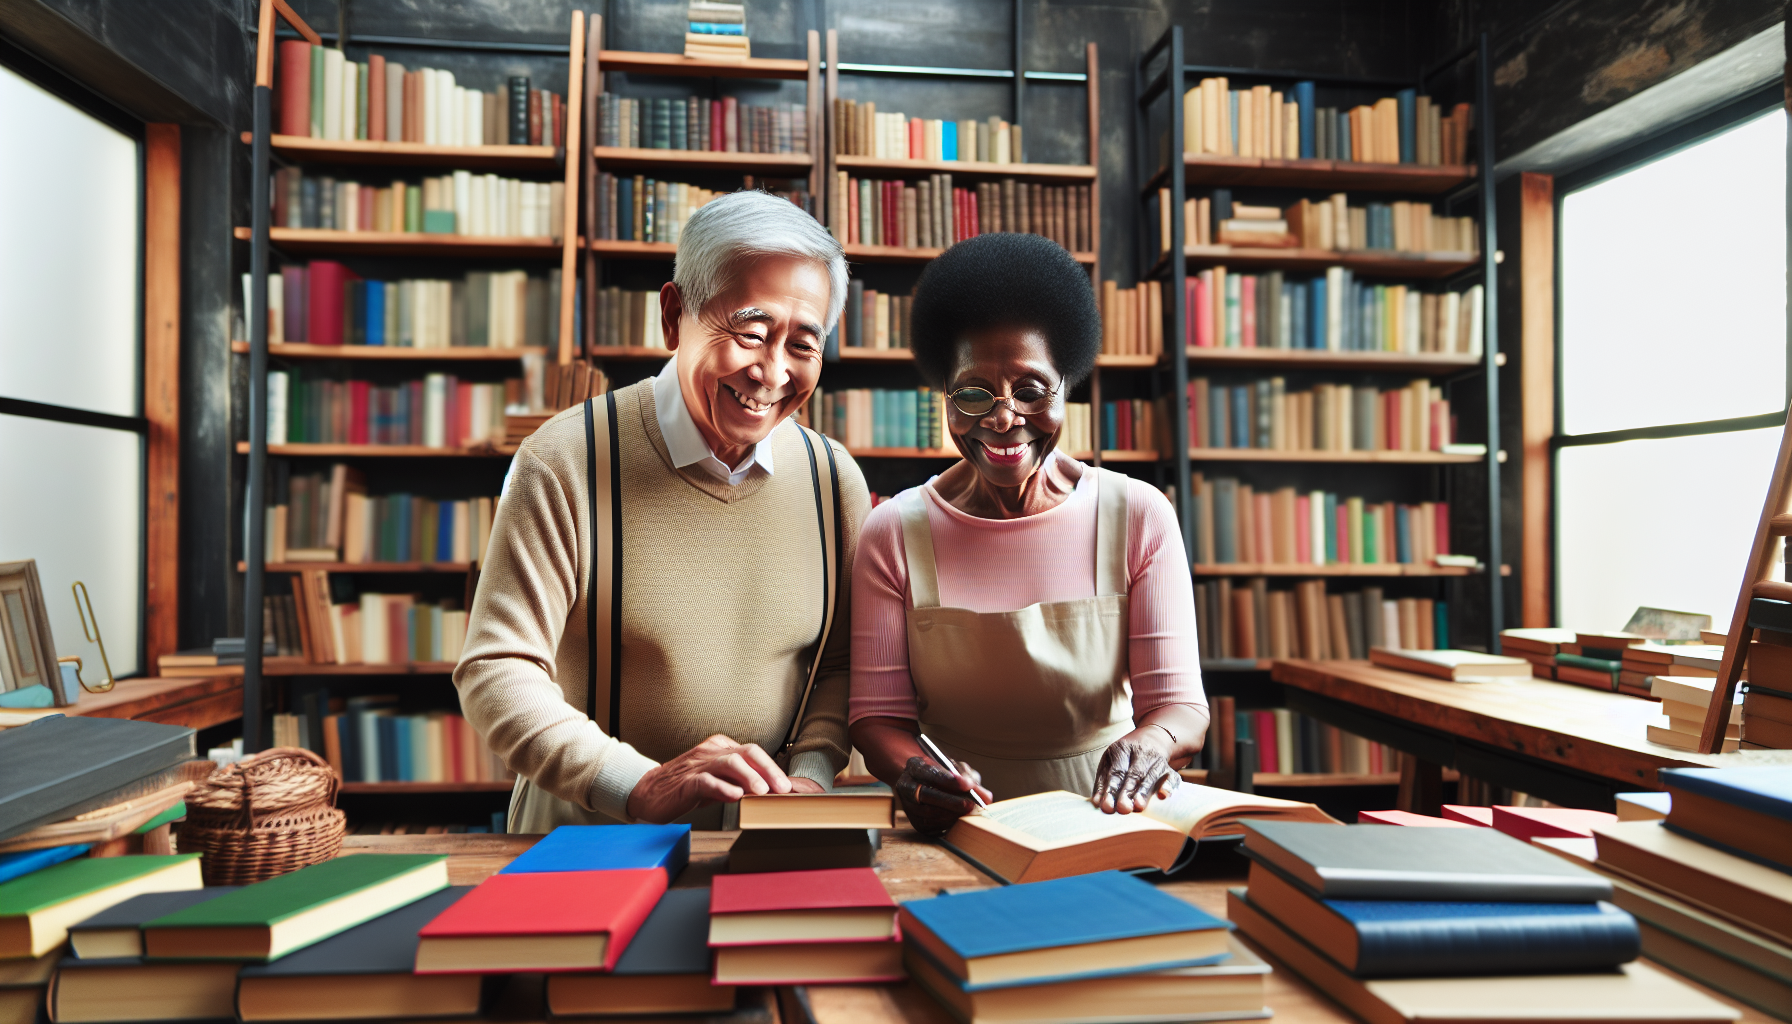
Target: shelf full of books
1322 246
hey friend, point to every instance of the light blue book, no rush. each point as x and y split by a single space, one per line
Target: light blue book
710 28
949 140
14 865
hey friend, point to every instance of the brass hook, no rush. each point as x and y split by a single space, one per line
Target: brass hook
93 636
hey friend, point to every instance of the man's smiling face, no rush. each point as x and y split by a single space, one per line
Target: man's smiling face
753 356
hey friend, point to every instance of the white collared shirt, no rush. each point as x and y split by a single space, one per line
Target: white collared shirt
685 443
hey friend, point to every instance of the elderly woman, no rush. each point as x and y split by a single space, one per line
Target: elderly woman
1031 615
665 562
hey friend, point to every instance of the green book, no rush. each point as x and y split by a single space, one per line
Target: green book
37 909
317 92
270 919
1596 664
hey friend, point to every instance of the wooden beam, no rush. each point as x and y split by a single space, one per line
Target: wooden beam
264 45
1537 387
569 220
161 389
298 23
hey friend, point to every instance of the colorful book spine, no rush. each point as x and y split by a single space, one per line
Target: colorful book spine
934 214
1236 524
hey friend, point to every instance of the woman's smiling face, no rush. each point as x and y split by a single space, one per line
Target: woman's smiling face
1004 448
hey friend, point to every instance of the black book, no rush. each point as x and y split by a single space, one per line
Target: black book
118 931
58 767
379 957
1222 208
802 849
665 969
519 110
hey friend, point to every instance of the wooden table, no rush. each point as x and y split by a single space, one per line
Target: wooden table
911 867
195 703
1569 744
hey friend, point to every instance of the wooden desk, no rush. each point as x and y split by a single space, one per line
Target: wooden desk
195 703
911 868
1566 743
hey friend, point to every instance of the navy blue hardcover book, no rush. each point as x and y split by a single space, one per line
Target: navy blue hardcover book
1417 938
1303 96
1085 926
674 939
608 848
1743 811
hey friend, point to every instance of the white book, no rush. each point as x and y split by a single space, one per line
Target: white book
460 550
1409 341
447 109
426 103
279 384
480 429
1451 316
1334 308
435 411
373 630
370 748
1390 623
1316 526
474 131
463 199
1476 324
394 102
333 63
351 98
276 309
339 649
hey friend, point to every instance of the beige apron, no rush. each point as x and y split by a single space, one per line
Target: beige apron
1030 698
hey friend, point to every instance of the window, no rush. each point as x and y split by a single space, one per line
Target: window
71 432
1673 376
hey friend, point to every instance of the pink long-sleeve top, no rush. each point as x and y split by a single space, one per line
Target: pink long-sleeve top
1001 565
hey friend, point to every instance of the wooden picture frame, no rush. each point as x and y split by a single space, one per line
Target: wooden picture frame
27 650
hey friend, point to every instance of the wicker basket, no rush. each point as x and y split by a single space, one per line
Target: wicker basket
264 816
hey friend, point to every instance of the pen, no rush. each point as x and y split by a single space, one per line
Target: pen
945 762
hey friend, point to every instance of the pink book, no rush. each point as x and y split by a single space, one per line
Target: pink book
1469 815
1443 527
1247 311
1529 823
1407 818
1303 530
1344 554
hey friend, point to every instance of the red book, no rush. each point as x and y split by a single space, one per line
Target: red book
547 921
1443 527
1247 311
717 132
1406 818
534 117
328 280
294 94
1269 754
1469 815
1344 553
970 214
1530 823
376 98
739 907
358 414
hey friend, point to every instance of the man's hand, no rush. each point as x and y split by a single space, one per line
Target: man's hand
933 797
716 771
1134 768
804 784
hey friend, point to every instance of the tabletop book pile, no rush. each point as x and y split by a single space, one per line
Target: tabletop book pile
1450 923
1767 704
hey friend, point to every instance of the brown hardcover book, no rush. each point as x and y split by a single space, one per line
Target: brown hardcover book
1759 705
1452 665
1244 640
1748 893
1590 677
1770 665
1765 732
376 97
307 646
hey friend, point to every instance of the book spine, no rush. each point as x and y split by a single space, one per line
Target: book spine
1519 944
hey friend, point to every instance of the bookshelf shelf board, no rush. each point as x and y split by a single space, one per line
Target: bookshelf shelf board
952 453
1332 175
320 241
678 64
903 355
381 450
1320 359
629 352
699 159
1324 779
1128 362
637 250
299 148
443 567
967 168
900 254
1274 455
406 788
1303 569
464 353
1363 262
404 668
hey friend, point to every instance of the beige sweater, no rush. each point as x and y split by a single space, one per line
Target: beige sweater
721 596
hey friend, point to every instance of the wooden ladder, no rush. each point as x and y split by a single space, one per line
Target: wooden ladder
1776 522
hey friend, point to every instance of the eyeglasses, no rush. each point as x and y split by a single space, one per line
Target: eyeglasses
1030 400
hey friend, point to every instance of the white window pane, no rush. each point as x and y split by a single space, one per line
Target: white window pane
1664 523
68 265
74 503
1674 287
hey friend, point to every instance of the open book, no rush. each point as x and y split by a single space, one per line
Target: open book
1057 834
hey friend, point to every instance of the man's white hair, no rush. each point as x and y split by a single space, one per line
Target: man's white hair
744 224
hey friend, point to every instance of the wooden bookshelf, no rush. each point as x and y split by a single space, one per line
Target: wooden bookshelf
461 353
903 355
1295 780
1362 262
381 450
952 453
630 352
791 164
1285 359
1378 569
286 666
902 254
1331 175
862 166
328 242
642 63
367 567
615 249
301 149
408 788
1274 455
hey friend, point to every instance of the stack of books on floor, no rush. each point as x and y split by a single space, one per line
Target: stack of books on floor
1767 705
717 31
1103 946
1401 924
1711 883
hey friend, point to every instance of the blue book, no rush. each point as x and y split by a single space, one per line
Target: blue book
911 418
1318 321
608 848
1738 810
1232 119
375 332
878 440
1110 425
1303 95
13 865
625 209
1343 135
445 531
1440 626
1241 416
710 28
1407 100
1086 926
1297 316
1416 938
388 752
949 140
1225 520
402 536
1219 416
348 733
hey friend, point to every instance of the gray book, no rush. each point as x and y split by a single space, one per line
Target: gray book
1390 862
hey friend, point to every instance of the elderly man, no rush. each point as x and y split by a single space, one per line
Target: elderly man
676 671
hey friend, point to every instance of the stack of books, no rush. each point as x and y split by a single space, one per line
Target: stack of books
1641 663
323 95
66 781
1450 923
1685 701
811 831
1260 121
1537 646
1711 884
717 31
1594 659
803 928
1767 706
1105 946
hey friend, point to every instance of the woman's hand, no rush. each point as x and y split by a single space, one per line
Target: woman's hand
716 771
1134 768
933 797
